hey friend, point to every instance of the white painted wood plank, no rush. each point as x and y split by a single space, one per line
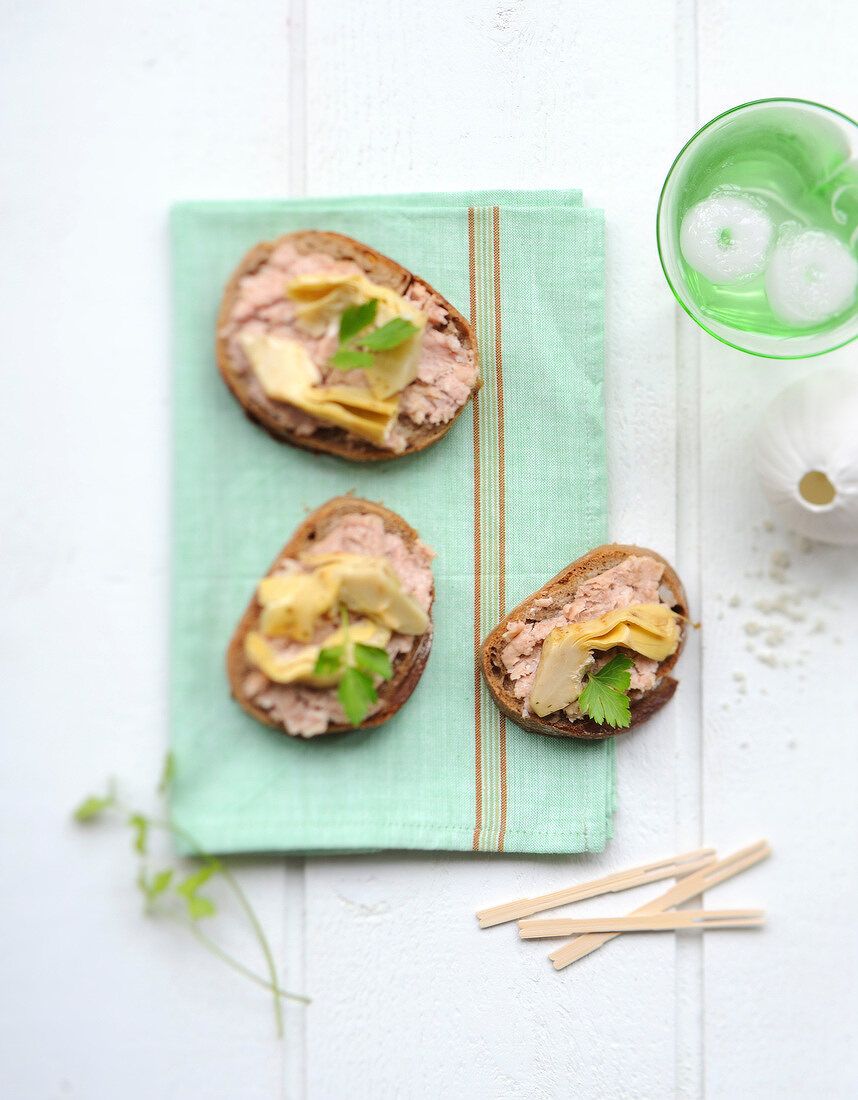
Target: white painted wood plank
113 111
780 758
413 999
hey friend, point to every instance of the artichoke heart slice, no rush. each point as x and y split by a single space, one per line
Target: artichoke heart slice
567 653
293 603
560 674
287 373
294 667
371 586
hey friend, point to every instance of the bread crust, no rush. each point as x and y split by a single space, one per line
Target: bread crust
561 589
379 269
408 668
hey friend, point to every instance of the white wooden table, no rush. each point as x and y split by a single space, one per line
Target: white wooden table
112 111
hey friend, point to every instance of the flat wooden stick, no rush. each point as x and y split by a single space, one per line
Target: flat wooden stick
684 890
694 919
674 866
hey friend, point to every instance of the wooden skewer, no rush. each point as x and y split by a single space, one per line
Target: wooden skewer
674 866
684 890
659 922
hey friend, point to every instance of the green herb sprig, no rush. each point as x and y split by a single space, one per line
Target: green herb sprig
170 893
356 690
355 351
605 697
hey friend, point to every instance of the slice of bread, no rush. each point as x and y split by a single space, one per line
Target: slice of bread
329 439
407 668
561 590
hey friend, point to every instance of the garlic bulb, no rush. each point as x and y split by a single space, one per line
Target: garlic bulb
807 456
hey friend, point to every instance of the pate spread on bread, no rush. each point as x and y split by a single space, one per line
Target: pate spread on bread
350 560
279 329
616 600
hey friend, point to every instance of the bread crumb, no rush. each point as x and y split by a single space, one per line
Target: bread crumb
775 636
752 627
768 659
734 601
768 525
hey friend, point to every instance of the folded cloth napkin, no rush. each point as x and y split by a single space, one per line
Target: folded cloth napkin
514 492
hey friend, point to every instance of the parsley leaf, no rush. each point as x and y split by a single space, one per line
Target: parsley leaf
359 662
157 885
350 360
329 660
356 318
391 335
355 351
199 906
374 659
357 693
93 807
161 881
604 698
616 673
193 882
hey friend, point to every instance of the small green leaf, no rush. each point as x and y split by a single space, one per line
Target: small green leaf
373 659
616 673
157 885
200 907
329 661
357 693
141 827
193 882
356 318
604 698
350 360
168 773
391 335
161 881
92 807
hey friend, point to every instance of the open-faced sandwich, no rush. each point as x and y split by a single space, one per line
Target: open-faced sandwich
588 655
333 347
339 629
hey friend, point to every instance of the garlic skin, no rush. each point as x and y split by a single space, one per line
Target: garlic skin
811 428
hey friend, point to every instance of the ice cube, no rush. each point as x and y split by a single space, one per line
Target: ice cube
811 278
726 238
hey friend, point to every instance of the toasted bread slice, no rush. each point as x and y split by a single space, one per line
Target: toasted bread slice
274 416
561 590
407 668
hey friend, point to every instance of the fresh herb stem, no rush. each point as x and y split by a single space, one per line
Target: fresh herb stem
228 877
197 905
215 948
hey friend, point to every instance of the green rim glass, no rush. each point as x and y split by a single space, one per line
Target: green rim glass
667 234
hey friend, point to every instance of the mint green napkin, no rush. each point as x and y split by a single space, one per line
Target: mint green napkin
505 515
